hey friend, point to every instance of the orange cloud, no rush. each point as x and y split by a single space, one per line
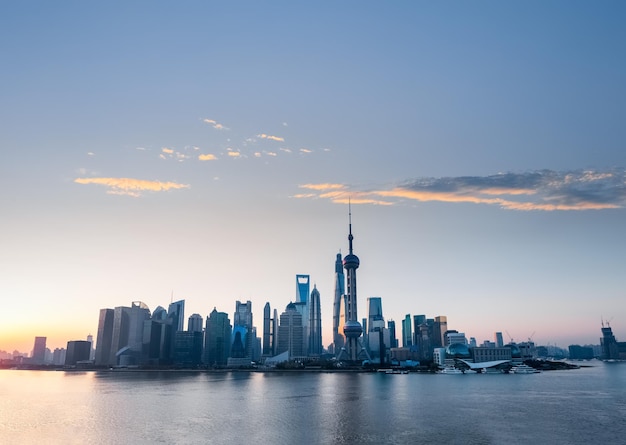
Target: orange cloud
131 187
327 186
207 157
270 137
214 124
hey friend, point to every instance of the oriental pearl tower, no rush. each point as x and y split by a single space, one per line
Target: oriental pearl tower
352 328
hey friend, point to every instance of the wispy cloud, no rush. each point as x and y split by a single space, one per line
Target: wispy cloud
207 157
270 137
214 124
131 187
544 190
305 150
233 154
166 150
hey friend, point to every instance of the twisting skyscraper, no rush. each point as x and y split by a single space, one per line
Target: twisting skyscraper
352 328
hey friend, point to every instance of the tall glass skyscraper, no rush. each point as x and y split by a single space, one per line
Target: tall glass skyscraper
217 335
315 323
338 306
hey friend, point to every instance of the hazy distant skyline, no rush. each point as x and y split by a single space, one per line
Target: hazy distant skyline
208 150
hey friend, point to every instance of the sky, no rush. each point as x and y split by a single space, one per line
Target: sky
206 151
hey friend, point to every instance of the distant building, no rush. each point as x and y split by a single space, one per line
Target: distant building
440 327
339 339
176 311
611 348
406 331
393 340
58 356
378 337
194 324
489 354
39 351
268 349
498 340
77 351
577 352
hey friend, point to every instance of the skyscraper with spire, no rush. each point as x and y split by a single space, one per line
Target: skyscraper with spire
352 328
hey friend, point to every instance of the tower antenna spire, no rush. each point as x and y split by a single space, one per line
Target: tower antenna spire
350 237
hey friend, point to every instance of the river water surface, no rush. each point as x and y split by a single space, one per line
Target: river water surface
586 405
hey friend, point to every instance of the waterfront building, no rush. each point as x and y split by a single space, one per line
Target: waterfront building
217 339
243 339
77 351
339 306
187 348
352 329
104 337
194 324
315 324
158 339
439 356
611 348
291 332
407 339
119 339
489 354
39 351
577 352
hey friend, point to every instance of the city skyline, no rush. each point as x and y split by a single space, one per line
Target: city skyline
207 152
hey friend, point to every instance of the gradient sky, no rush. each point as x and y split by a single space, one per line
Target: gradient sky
208 149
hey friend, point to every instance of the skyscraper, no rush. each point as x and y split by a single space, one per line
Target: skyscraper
291 332
302 306
378 339
267 331
440 327
104 337
407 339
498 340
338 306
217 339
243 339
352 328
39 351
315 323
176 311
194 324
77 350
